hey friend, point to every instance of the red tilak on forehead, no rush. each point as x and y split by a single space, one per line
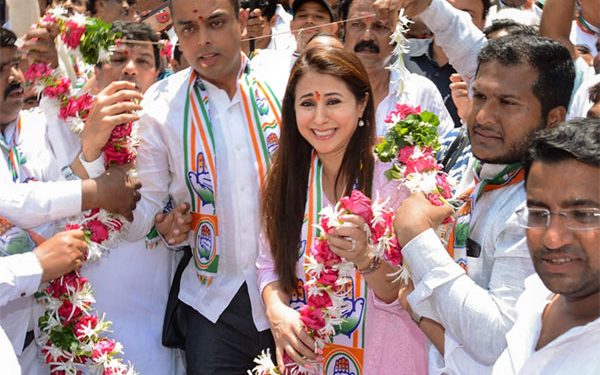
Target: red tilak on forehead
318 96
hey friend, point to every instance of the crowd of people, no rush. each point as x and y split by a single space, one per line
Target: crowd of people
266 112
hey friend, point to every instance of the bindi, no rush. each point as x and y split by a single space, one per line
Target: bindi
318 96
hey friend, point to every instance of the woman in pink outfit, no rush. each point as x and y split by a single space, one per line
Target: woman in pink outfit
326 151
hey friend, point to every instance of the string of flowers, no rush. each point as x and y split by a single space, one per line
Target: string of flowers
410 145
327 274
72 336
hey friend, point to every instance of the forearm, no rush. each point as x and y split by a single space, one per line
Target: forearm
454 31
556 22
434 332
381 282
273 297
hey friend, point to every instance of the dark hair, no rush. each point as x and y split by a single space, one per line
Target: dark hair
550 59
284 194
577 139
511 27
594 93
486 8
177 53
91 6
138 31
7 38
234 3
267 7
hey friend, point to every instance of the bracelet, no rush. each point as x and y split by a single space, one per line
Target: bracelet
374 264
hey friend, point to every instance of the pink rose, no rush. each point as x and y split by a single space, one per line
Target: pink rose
73 227
443 185
37 71
121 131
402 111
115 155
323 254
320 300
420 165
434 198
68 312
85 322
394 253
405 153
358 204
98 231
312 318
167 49
102 347
63 86
68 109
73 34
328 278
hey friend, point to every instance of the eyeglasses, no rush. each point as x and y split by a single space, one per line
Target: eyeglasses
574 218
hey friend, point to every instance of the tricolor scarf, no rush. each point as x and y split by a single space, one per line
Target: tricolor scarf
14 240
346 351
14 157
262 112
457 243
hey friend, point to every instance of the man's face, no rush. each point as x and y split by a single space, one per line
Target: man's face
11 89
368 38
310 14
474 8
110 11
567 261
133 62
504 112
209 37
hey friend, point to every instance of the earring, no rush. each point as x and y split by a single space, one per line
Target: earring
361 123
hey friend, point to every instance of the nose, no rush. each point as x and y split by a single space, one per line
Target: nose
485 113
130 69
320 114
556 235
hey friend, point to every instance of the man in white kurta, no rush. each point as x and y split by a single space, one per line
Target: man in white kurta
557 330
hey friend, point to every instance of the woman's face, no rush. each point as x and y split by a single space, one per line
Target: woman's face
327 112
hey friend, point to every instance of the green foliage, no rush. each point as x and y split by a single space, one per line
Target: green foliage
97 36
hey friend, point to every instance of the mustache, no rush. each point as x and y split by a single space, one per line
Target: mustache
484 128
575 251
12 87
366 45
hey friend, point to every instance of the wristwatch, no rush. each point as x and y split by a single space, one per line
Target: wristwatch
374 264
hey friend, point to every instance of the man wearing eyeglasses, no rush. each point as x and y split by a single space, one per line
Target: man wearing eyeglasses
557 330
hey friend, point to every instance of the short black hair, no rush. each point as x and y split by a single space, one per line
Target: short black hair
91 6
234 3
7 38
577 139
511 27
177 53
594 93
551 60
267 7
138 31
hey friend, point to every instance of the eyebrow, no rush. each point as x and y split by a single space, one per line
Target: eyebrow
311 94
568 203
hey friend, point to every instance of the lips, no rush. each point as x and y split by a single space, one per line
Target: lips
559 263
324 134
14 91
487 134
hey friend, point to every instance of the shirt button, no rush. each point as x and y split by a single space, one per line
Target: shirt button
23 294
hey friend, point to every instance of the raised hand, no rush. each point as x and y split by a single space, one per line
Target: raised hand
115 105
61 254
459 90
175 225
389 8
416 215
39 45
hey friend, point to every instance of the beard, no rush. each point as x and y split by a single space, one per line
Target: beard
516 151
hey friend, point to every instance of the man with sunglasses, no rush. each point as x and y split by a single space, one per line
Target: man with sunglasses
557 330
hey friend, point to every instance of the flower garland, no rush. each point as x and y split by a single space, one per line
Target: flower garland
410 145
327 273
72 336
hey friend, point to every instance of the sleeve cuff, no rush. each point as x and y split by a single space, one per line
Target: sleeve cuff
425 253
26 272
66 198
93 168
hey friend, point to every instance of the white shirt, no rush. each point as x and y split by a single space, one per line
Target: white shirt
274 67
282 38
418 91
475 308
454 31
573 352
160 167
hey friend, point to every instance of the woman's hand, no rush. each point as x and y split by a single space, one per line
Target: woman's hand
290 336
350 241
